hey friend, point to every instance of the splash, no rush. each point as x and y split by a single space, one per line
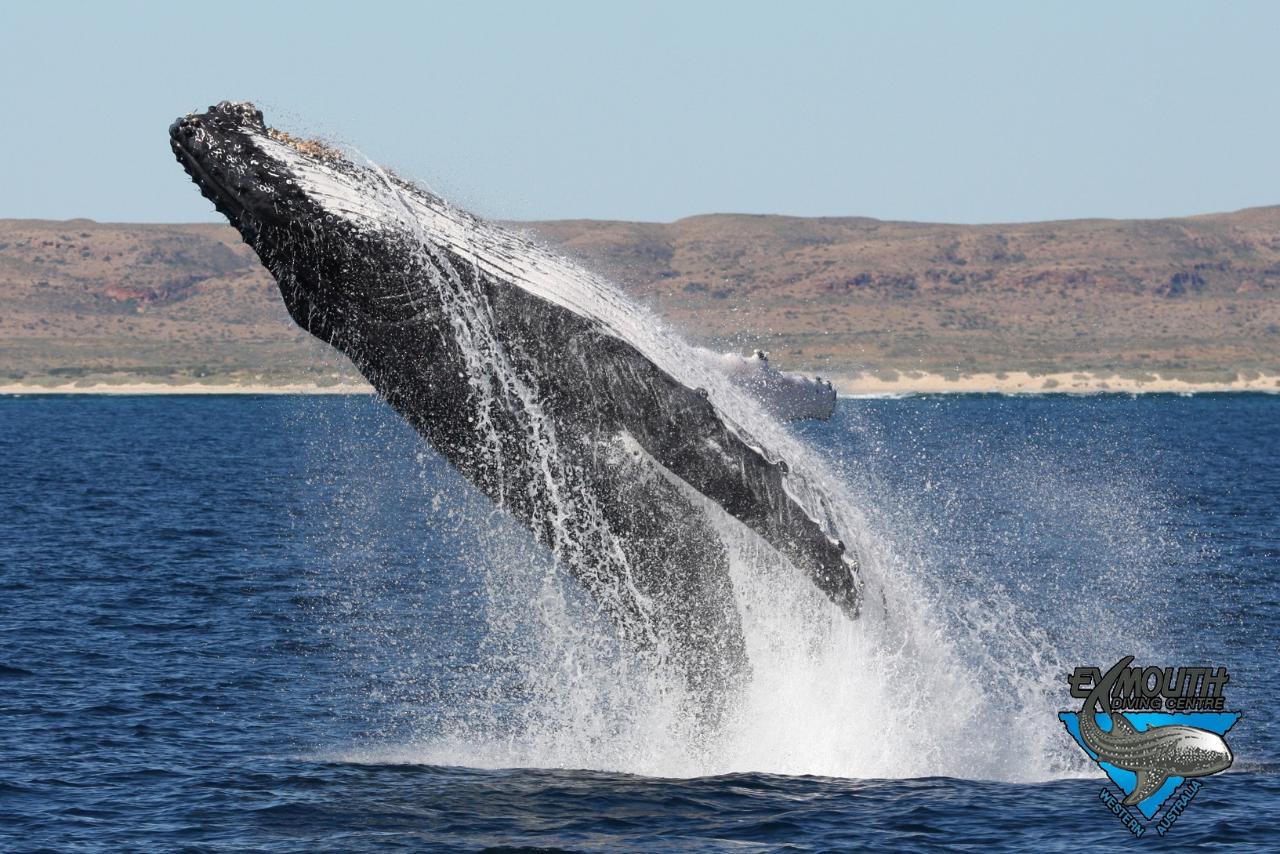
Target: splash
948 671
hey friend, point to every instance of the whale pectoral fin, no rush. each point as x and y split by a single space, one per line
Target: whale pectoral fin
1149 782
789 396
683 430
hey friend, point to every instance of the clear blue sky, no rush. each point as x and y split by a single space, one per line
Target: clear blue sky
963 112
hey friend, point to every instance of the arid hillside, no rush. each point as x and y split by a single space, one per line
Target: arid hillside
165 302
1189 296
1197 298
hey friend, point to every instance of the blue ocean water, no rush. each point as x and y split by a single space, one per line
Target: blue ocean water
223 618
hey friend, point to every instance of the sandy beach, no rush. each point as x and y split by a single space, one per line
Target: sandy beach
880 384
1021 382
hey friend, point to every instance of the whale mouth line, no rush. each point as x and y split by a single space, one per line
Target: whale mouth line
224 199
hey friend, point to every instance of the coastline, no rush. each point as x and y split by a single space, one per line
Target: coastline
889 384
152 388
866 384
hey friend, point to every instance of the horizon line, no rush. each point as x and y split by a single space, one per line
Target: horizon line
220 221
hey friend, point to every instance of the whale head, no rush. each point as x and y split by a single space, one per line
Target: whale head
334 233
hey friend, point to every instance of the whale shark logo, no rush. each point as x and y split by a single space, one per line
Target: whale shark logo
1151 753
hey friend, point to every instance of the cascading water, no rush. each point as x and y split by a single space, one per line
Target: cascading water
945 673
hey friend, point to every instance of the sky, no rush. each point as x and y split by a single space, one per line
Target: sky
935 111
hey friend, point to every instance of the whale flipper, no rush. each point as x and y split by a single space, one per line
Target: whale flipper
788 396
695 443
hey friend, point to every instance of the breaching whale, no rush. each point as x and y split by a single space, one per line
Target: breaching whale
513 363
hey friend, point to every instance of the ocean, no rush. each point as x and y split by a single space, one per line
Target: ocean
243 623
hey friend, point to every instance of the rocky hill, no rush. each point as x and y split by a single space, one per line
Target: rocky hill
1197 298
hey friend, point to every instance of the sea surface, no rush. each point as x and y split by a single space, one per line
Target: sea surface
266 624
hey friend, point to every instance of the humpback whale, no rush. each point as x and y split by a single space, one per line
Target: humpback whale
527 374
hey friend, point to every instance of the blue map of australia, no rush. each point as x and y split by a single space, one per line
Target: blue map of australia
1218 722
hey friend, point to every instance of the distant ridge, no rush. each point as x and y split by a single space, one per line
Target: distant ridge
1197 298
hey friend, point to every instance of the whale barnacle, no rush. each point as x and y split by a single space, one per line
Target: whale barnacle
311 147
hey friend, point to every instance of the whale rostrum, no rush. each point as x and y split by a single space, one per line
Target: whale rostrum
529 375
